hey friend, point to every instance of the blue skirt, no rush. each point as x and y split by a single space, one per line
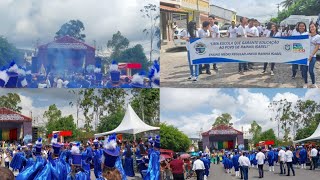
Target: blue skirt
128 166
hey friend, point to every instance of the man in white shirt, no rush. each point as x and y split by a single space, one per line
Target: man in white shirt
244 164
289 156
260 157
281 155
241 32
232 31
214 32
198 166
314 157
6 159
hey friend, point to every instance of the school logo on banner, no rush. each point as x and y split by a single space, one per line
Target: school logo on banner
200 48
298 48
287 47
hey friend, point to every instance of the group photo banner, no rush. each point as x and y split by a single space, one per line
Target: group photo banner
290 50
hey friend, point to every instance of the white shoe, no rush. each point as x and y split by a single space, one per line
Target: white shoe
190 77
314 86
195 78
272 73
263 72
305 86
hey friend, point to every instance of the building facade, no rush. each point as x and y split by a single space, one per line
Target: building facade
198 10
224 15
13 125
222 137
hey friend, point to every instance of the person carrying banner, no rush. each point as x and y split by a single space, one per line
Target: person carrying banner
273 33
186 35
204 33
214 31
300 31
314 47
241 32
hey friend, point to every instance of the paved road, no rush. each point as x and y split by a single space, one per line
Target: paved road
175 71
137 176
217 173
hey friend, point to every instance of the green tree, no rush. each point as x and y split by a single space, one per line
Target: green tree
151 12
118 44
224 119
268 135
287 3
11 101
146 103
72 28
55 121
110 122
255 130
173 139
8 52
135 54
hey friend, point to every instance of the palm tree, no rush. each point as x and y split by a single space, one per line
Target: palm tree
287 3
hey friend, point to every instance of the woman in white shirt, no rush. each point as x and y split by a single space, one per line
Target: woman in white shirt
300 31
186 35
314 47
273 33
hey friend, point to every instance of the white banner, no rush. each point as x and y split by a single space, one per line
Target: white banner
291 50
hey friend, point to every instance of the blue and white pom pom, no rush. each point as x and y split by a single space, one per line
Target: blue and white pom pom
13 67
138 78
114 66
54 139
97 70
39 141
75 149
4 76
111 142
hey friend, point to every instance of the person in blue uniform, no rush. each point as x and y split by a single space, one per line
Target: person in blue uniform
137 80
154 165
77 172
276 154
31 172
235 162
206 163
154 75
114 76
128 161
97 154
111 157
85 160
270 157
303 157
18 160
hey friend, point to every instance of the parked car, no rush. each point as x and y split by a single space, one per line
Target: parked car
224 30
176 38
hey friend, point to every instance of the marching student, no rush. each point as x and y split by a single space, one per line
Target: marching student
204 33
252 31
232 31
215 33
273 33
186 35
300 31
241 32
314 47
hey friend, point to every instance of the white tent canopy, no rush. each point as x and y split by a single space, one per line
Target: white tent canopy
314 136
130 124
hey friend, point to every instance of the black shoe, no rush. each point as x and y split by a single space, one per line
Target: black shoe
200 72
208 72
287 175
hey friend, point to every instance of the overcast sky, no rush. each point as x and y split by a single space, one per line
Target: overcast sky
39 100
25 21
259 9
192 109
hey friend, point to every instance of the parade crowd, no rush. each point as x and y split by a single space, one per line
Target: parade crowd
15 76
239 162
109 159
252 28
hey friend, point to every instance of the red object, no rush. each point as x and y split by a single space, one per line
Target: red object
170 9
119 137
184 156
129 66
230 144
7 115
166 156
13 134
177 166
222 130
62 133
265 143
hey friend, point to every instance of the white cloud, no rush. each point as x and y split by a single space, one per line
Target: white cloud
23 22
313 94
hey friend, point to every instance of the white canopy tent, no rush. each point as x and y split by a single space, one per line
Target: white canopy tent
130 124
314 136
